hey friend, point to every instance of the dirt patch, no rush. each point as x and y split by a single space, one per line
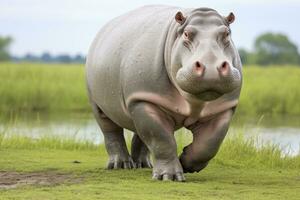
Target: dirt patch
10 180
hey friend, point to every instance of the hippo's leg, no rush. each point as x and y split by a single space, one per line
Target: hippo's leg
114 141
140 153
156 130
207 138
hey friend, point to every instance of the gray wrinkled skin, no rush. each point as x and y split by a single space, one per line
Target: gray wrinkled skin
155 70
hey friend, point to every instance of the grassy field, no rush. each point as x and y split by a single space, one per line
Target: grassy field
42 87
61 88
270 90
55 168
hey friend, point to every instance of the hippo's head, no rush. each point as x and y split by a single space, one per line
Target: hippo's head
204 60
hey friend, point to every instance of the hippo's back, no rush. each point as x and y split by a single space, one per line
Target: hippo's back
127 56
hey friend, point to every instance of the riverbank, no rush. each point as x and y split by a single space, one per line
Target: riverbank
56 168
48 88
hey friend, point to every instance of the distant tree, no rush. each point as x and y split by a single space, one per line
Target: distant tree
30 58
271 48
4 45
64 58
79 59
244 54
46 57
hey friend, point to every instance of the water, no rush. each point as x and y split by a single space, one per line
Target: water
80 127
280 130
288 138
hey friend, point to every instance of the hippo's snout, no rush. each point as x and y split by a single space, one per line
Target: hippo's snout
208 82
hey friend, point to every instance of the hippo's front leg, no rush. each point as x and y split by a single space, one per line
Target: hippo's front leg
207 138
156 129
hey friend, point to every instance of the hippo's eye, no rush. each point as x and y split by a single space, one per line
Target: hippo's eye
227 33
226 39
186 35
187 39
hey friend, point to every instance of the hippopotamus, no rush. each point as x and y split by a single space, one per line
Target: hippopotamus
155 70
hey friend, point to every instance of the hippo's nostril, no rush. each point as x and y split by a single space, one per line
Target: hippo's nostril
224 65
224 68
199 68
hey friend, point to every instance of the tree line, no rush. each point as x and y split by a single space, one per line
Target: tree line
269 49
46 57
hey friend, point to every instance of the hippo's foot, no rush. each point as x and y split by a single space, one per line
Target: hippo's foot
191 166
168 170
142 162
194 168
120 162
140 153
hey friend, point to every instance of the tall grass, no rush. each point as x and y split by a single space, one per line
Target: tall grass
10 141
236 151
270 90
56 87
42 87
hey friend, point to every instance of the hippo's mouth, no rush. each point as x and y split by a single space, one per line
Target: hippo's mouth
209 95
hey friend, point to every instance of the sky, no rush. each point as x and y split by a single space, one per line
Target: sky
69 26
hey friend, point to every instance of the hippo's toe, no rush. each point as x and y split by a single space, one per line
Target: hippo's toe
168 171
169 177
117 162
145 163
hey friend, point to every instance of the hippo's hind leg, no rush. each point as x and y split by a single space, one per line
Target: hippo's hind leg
114 141
156 129
140 153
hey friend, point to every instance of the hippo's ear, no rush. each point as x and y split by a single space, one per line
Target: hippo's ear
230 18
180 18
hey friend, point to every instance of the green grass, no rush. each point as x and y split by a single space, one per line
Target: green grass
61 88
236 151
42 87
239 171
50 142
270 90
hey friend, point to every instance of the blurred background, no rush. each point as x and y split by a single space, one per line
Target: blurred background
43 45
